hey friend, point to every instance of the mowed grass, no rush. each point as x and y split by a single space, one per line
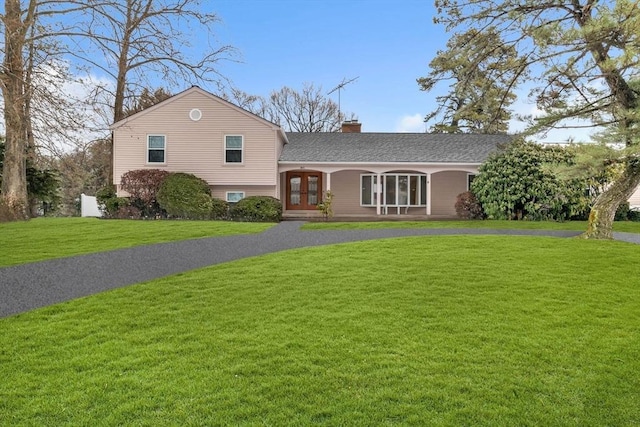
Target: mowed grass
451 330
622 226
45 238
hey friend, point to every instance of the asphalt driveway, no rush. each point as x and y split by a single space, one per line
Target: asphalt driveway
29 286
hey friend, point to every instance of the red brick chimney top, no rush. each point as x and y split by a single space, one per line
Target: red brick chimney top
351 126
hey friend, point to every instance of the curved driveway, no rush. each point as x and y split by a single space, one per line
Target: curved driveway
29 286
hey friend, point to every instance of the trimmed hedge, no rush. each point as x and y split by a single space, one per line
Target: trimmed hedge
185 196
257 209
219 209
114 206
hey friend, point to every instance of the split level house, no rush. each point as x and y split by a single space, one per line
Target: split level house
240 154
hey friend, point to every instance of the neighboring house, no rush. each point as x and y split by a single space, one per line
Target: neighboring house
240 154
634 200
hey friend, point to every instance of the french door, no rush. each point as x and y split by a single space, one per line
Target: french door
304 190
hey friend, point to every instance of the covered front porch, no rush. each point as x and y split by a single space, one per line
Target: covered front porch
374 192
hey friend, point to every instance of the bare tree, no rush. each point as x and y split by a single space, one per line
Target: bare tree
139 40
308 110
34 107
142 41
305 111
82 170
253 103
14 182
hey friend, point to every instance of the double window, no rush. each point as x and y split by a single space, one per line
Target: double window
397 189
233 149
156 149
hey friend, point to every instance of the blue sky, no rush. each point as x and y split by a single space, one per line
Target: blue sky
387 44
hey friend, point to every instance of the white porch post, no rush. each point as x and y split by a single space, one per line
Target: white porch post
428 193
328 182
378 195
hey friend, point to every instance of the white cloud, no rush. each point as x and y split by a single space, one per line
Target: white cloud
414 123
574 129
82 114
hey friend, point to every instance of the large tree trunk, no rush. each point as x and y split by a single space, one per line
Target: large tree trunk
14 176
605 206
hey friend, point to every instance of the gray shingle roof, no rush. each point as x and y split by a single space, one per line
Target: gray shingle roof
390 147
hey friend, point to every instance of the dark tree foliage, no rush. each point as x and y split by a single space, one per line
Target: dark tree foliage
580 58
518 183
478 68
147 99
43 187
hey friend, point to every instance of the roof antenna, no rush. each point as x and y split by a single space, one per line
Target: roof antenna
338 88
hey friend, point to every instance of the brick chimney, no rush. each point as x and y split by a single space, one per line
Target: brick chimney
351 126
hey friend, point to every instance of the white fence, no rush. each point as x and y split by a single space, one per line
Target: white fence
89 206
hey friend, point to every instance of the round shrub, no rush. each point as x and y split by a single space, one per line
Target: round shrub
622 213
186 196
468 206
634 215
257 209
519 182
219 209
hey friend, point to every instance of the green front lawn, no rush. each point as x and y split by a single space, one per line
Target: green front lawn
624 226
45 238
452 330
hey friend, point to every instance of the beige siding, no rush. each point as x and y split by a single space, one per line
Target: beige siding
345 186
198 146
445 187
634 200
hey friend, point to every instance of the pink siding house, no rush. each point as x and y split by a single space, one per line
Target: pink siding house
240 154
196 132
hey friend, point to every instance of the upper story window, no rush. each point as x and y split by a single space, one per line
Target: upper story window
156 147
233 149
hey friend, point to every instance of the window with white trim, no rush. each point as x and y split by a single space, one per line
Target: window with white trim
234 196
233 149
156 149
399 189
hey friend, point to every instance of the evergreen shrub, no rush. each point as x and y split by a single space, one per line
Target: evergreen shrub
518 182
257 209
113 206
622 213
219 209
183 195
